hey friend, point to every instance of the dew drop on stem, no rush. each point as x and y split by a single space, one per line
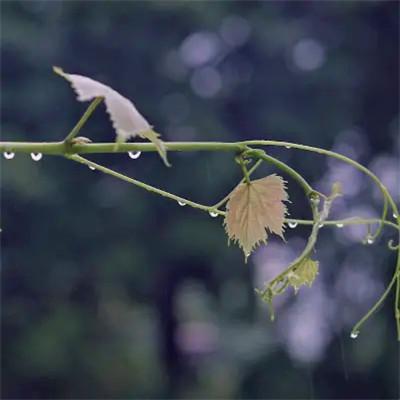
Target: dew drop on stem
213 214
354 334
339 225
134 154
8 155
292 225
91 167
370 240
181 203
36 156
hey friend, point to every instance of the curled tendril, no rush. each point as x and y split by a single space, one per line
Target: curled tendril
383 218
393 246
280 283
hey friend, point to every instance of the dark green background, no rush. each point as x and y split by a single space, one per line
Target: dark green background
112 292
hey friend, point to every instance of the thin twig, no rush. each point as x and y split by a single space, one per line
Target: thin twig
89 111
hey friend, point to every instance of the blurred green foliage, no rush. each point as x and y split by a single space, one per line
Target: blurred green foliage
111 292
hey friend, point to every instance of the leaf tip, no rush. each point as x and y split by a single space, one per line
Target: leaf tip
154 137
58 71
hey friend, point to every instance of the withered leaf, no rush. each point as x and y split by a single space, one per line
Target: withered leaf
304 273
254 209
126 119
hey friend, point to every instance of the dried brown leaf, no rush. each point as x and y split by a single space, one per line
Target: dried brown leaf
254 209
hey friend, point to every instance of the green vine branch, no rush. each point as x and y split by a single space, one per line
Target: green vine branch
260 154
278 284
251 209
72 149
355 164
141 184
340 223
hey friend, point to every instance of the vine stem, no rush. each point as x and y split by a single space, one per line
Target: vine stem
89 111
246 175
260 154
176 198
357 326
333 154
149 188
59 148
346 222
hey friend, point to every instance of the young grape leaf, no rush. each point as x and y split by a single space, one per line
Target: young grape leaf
126 119
253 208
304 274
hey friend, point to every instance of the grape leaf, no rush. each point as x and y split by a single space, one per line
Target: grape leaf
304 274
126 119
255 208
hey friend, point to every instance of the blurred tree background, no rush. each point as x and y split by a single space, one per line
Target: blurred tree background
111 292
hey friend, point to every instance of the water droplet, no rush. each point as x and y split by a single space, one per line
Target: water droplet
134 154
8 155
181 203
354 334
340 225
288 147
36 156
292 225
320 225
315 200
394 214
370 240
213 214
91 167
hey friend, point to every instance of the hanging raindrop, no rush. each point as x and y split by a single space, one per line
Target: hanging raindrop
292 225
320 225
354 334
394 214
181 203
91 167
36 156
134 154
340 225
213 214
288 147
8 155
370 240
